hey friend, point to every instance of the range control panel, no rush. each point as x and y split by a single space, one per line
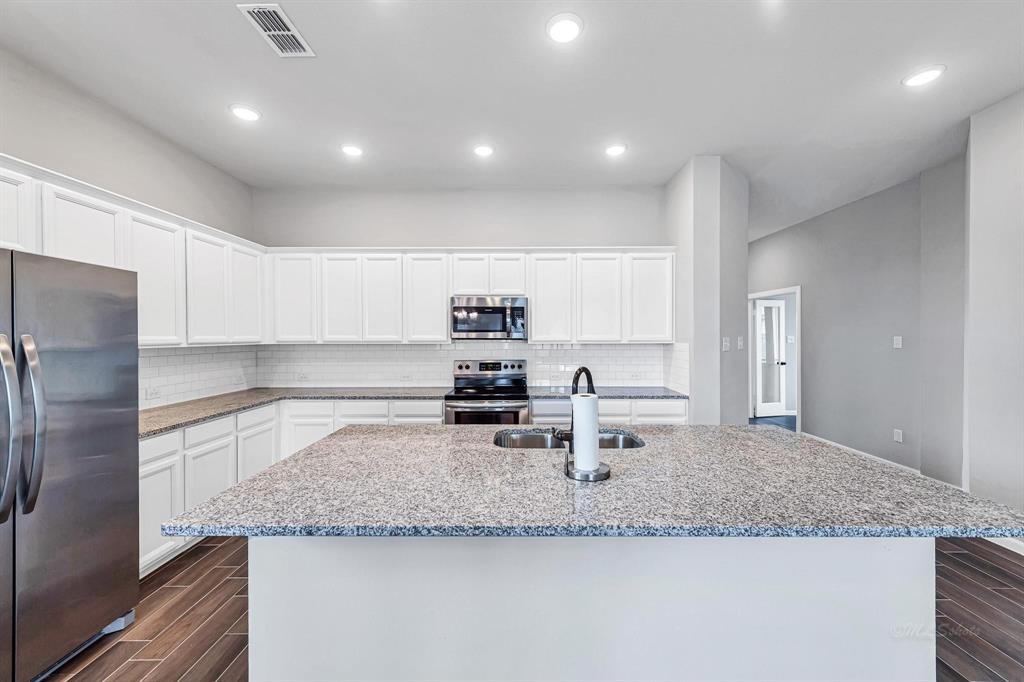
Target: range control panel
489 367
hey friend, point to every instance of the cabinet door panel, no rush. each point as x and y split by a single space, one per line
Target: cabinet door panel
551 294
161 498
508 274
157 254
470 274
208 289
341 293
209 470
598 297
295 306
382 297
304 431
81 228
19 228
256 448
246 295
650 297
426 298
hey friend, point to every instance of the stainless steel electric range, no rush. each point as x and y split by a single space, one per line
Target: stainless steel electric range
488 392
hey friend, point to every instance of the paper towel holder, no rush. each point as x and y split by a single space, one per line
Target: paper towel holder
603 471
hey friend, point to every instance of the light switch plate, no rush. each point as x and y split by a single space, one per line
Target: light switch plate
791 339
739 343
897 435
897 342
725 343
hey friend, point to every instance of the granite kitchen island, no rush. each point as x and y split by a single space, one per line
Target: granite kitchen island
739 553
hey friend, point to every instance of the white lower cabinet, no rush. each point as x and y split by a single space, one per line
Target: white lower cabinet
417 412
304 422
256 440
613 411
348 412
161 496
210 469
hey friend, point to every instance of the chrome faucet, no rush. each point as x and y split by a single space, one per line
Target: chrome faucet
603 472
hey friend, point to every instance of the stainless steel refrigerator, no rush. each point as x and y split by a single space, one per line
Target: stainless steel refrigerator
69 485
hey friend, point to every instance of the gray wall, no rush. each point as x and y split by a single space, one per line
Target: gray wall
994 342
859 271
942 320
513 217
46 121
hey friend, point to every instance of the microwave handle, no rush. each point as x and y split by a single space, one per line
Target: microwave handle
508 320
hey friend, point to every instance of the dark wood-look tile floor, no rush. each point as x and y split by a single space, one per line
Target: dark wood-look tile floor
191 623
192 620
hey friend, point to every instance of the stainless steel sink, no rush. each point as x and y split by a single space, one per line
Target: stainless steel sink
541 439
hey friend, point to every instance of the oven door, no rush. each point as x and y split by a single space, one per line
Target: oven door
486 412
480 322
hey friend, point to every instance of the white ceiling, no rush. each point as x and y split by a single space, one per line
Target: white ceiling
803 97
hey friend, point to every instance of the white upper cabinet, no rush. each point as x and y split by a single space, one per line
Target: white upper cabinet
426 298
295 297
19 225
598 297
471 274
508 274
341 296
78 227
382 297
481 274
649 293
246 295
157 253
550 293
208 284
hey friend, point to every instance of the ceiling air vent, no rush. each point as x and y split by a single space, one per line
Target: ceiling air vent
274 25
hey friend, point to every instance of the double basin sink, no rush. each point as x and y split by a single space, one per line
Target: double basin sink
545 440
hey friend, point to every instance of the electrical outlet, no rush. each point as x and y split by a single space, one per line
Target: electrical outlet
897 435
725 343
302 376
634 375
406 377
739 343
152 392
897 342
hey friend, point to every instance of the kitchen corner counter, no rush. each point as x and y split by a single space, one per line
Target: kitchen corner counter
157 420
610 393
725 481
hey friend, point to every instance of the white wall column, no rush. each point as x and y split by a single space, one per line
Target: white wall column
994 325
706 214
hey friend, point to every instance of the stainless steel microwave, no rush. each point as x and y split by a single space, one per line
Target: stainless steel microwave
489 317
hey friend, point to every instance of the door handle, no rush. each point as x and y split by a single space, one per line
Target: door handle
33 478
13 390
781 363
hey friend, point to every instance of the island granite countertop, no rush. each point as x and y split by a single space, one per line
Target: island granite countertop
157 420
686 481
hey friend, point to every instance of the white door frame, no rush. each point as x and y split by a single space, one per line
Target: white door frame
776 408
752 350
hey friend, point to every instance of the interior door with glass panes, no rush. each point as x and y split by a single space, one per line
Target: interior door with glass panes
770 362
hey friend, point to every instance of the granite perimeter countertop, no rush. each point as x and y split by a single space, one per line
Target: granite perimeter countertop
686 481
157 420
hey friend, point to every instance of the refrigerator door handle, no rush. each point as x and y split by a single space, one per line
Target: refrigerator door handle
8 492
34 477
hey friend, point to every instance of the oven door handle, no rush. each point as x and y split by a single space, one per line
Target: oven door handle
486 406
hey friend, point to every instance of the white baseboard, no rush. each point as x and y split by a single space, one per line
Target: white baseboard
1012 544
865 454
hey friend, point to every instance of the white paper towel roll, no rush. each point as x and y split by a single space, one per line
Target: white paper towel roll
584 431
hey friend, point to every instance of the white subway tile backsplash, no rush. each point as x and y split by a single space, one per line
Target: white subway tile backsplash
171 375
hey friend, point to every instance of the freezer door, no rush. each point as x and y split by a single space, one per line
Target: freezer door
77 557
6 513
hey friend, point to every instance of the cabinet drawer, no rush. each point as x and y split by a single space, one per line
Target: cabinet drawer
218 428
402 409
614 408
255 417
159 446
310 408
550 408
344 409
659 411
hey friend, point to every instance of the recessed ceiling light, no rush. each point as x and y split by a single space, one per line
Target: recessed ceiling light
245 113
615 150
483 150
352 150
565 27
924 76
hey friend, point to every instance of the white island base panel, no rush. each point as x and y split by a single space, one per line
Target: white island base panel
591 608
